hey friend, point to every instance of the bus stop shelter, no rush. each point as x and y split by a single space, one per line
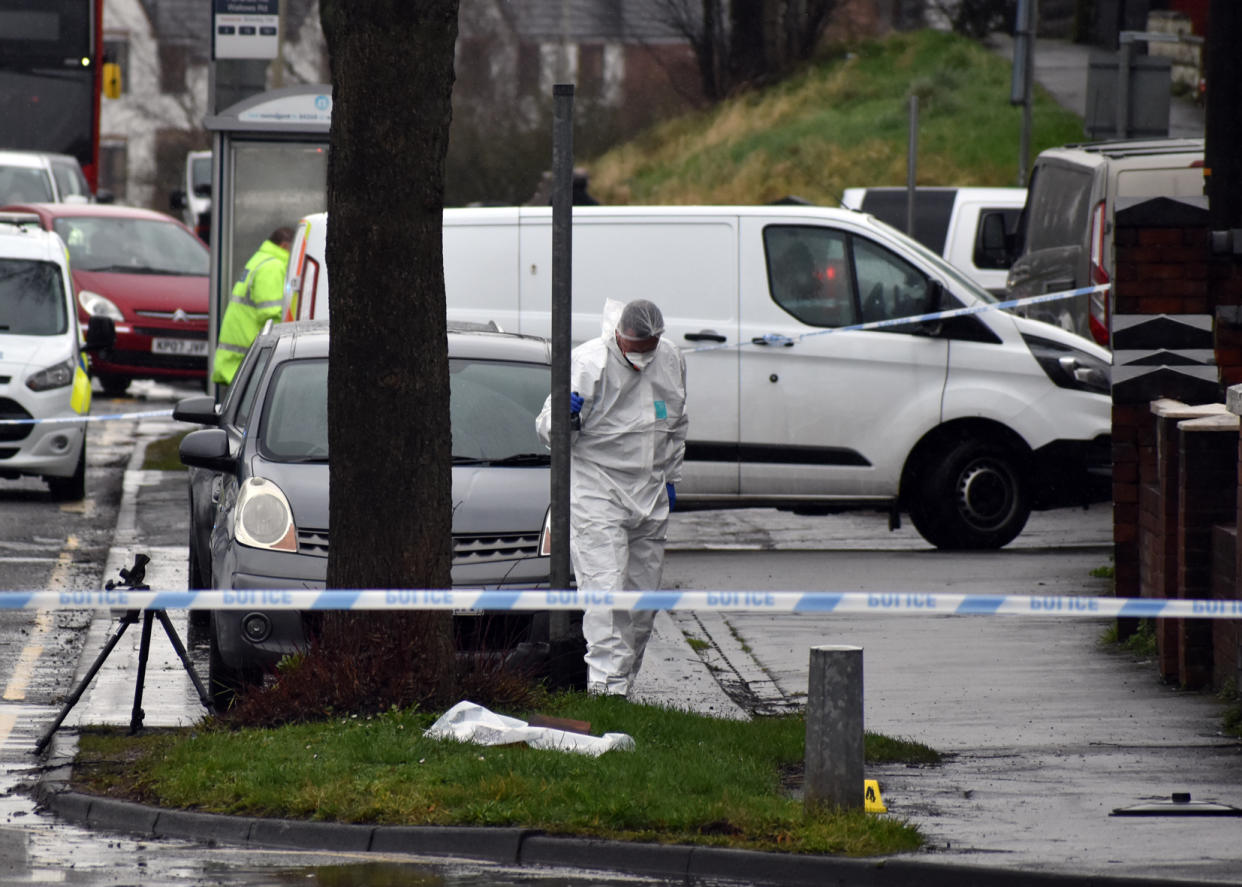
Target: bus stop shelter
269 168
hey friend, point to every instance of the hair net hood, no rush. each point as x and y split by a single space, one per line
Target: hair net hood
640 317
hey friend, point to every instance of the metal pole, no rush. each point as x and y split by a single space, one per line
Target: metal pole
562 323
912 153
1024 78
1125 60
833 774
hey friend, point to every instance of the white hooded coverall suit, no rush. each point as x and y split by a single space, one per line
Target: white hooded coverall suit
632 442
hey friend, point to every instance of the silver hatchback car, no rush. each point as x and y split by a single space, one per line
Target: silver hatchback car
267 453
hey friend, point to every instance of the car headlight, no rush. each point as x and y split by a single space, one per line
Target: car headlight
1070 367
545 538
93 303
263 518
57 376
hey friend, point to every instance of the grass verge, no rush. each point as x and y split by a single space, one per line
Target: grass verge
692 779
164 454
842 121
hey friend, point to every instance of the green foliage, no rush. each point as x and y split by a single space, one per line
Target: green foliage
1105 572
1141 644
691 778
164 454
841 122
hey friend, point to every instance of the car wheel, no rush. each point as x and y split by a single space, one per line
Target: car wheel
114 386
225 683
72 488
971 495
196 580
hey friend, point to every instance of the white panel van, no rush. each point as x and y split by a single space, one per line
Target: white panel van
966 423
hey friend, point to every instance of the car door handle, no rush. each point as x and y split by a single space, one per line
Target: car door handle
773 339
706 336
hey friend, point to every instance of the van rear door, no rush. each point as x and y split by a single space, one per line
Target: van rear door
825 413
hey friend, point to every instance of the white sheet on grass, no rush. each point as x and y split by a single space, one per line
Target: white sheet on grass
469 722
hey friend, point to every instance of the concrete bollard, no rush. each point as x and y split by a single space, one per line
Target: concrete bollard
834 729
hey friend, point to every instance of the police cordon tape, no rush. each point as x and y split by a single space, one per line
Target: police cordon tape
770 339
896 603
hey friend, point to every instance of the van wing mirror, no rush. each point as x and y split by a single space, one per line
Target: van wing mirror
177 200
100 333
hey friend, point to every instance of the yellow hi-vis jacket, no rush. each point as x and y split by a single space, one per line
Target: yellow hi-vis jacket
257 297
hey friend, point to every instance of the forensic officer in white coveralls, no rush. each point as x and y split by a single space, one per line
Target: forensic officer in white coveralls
629 394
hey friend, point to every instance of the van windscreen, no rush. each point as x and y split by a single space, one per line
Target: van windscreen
1057 208
32 298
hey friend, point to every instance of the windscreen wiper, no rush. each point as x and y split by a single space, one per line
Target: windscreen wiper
524 459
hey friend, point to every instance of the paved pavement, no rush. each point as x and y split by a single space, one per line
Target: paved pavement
1045 733
1061 68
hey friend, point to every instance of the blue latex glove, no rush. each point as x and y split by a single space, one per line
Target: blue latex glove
575 403
672 496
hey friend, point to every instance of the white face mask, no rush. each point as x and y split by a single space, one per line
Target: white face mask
640 359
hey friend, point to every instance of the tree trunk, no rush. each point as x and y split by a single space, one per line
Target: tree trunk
388 388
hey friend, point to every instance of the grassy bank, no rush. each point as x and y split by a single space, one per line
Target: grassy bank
691 779
842 122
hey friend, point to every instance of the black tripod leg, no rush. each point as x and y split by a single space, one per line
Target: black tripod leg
130 617
185 660
144 649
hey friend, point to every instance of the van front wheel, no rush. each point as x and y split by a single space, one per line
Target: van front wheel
971 495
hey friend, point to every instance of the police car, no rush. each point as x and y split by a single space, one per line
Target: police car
44 386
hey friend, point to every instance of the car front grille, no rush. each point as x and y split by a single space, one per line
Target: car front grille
483 549
11 409
476 549
313 542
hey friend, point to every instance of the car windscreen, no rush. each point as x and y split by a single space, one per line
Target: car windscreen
492 407
132 246
294 427
24 184
492 411
32 298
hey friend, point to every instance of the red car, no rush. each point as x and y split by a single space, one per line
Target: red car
148 272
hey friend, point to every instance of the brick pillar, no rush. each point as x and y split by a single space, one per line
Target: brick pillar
1162 344
1159 498
1208 495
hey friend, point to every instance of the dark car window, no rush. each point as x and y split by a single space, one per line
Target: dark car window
1056 213
932 211
809 274
132 246
295 412
493 405
69 179
246 387
889 286
32 298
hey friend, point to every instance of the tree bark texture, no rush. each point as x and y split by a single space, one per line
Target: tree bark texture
388 388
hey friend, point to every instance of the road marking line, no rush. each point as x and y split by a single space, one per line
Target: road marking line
44 622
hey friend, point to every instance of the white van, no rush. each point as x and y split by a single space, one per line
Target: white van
43 370
194 201
40 177
966 423
1065 237
950 221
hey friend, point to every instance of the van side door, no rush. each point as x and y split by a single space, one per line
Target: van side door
686 263
823 413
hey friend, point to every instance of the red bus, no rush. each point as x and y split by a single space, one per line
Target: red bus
51 74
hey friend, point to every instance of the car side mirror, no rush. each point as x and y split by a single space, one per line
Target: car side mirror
199 410
100 333
104 197
177 200
207 448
